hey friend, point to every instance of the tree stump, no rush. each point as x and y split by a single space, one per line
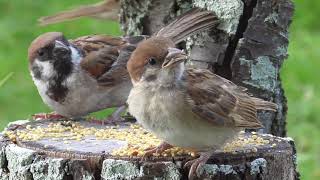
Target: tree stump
248 47
253 156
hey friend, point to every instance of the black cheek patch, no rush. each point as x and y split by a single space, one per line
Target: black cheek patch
37 71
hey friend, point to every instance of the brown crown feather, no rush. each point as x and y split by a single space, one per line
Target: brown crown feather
40 42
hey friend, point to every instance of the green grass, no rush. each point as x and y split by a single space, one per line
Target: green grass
18 23
5 79
19 98
300 75
301 81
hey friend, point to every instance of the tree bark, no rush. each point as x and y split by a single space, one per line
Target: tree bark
248 47
34 160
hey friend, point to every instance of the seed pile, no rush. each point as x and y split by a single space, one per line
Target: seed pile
136 137
247 143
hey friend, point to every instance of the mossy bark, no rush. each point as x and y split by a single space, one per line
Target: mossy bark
248 47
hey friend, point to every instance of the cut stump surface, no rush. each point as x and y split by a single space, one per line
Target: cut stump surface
31 150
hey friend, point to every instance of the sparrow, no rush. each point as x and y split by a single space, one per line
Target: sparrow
80 76
187 107
107 9
87 74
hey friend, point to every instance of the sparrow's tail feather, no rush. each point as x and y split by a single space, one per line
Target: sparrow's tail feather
264 105
107 8
188 24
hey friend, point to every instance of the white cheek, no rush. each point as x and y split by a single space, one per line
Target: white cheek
46 67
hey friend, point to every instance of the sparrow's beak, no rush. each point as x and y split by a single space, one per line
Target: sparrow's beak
174 57
60 49
60 45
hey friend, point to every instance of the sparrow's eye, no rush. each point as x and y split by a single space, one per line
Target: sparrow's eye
40 52
152 61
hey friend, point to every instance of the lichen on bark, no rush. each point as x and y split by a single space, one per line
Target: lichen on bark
228 12
48 169
19 162
131 16
263 74
119 169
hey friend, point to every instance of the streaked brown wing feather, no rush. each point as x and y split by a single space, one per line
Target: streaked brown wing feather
118 71
100 52
105 57
220 101
98 42
98 62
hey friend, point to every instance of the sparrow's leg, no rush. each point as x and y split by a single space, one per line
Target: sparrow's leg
157 150
51 116
197 163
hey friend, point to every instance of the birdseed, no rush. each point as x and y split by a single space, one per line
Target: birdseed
137 138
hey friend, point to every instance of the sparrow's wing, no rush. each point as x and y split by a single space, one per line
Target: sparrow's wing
98 62
105 57
107 9
194 21
220 101
100 52
96 42
118 71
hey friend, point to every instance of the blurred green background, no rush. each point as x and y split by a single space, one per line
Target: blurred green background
19 98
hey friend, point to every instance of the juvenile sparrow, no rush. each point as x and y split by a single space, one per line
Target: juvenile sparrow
77 77
107 9
185 107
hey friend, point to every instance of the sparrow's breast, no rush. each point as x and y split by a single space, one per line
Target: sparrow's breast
83 94
166 114
86 95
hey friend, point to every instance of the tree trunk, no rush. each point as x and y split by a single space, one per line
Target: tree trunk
248 47
51 159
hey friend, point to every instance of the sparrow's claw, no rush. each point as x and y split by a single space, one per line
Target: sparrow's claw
51 116
156 150
195 164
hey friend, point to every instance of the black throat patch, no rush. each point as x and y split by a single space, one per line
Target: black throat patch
56 90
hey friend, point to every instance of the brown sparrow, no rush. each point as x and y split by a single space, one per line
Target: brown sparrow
77 77
189 108
107 9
